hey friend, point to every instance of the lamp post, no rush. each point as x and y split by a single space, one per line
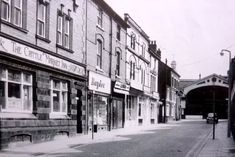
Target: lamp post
213 81
229 90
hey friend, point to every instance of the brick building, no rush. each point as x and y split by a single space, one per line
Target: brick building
106 40
141 108
42 70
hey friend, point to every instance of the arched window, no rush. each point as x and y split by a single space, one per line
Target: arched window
118 60
133 40
99 53
143 49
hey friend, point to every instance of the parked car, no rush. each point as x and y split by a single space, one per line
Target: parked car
210 118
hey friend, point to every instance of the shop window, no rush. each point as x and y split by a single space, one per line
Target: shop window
59 97
99 109
15 91
43 19
64 31
14 12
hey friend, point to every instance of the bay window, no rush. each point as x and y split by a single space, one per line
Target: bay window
15 91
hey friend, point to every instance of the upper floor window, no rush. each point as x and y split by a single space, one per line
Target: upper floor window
64 30
153 84
100 18
6 7
118 57
99 54
14 11
132 70
143 49
133 40
18 12
118 32
15 91
59 97
142 76
43 20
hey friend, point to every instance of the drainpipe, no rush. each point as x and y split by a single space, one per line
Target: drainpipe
86 72
110 70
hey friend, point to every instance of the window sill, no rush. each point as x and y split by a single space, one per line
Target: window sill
98 69
59 116
101 28
64 48
14 26
42 38
15 115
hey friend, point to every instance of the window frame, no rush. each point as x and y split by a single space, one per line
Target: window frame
118 35
118 63
100 18
8 12
61 34
19 10
12 12
132 70
133 41
99 53
60 90
43 21
22 84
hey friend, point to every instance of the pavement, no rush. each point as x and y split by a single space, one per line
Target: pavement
221 146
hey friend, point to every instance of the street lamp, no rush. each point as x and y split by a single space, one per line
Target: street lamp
229 89
213 81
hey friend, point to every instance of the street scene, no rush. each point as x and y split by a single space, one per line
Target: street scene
117 78
187 138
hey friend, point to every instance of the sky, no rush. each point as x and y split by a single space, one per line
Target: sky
191 32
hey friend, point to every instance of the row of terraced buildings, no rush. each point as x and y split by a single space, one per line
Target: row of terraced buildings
76 66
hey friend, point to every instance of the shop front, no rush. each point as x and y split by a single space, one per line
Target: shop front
38 94
99 102
132 107
119 95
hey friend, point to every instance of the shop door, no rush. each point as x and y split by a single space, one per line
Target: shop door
79 111
117 114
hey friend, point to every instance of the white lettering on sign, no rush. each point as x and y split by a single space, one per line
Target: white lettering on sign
99 83
22 51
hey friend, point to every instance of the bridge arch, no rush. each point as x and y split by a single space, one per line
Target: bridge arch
199 96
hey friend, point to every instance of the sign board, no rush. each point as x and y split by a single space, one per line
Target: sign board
23 51
122 88
99 83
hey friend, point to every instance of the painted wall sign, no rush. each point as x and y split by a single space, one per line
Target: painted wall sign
99 83
23 51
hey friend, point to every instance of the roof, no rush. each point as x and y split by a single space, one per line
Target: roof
102 4
128 18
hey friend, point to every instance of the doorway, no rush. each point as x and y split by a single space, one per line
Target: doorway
79 111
